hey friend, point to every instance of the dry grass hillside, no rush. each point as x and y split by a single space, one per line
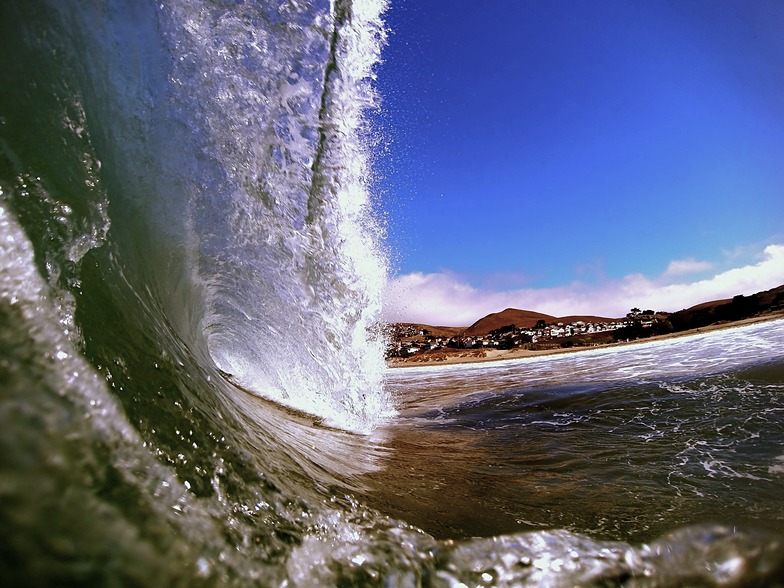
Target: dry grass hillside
522 319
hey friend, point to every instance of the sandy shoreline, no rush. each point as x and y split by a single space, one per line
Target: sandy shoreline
459 356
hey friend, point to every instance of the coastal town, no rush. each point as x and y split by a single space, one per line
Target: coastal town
514 331
408 339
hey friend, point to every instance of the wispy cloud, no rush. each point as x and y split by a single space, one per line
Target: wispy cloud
446 299
688 266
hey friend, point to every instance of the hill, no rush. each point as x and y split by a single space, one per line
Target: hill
412 330
737 308
487 338
522 319
699 315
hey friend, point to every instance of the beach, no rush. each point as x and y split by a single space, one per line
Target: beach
446 356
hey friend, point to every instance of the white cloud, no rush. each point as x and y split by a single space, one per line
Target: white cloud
445 299
682 267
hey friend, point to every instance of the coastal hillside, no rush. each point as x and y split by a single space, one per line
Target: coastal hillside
730 309
699 315
410 330
522 319
514 331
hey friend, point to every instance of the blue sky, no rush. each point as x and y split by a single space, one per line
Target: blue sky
580 156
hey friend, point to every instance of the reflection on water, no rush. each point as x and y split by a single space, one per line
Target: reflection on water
330 457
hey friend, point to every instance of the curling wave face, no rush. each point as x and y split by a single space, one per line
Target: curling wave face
189 290
230 152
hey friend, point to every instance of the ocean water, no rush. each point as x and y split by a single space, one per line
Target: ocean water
192 385
620 443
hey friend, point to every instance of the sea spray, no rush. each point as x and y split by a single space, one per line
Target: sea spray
236 139
291 268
